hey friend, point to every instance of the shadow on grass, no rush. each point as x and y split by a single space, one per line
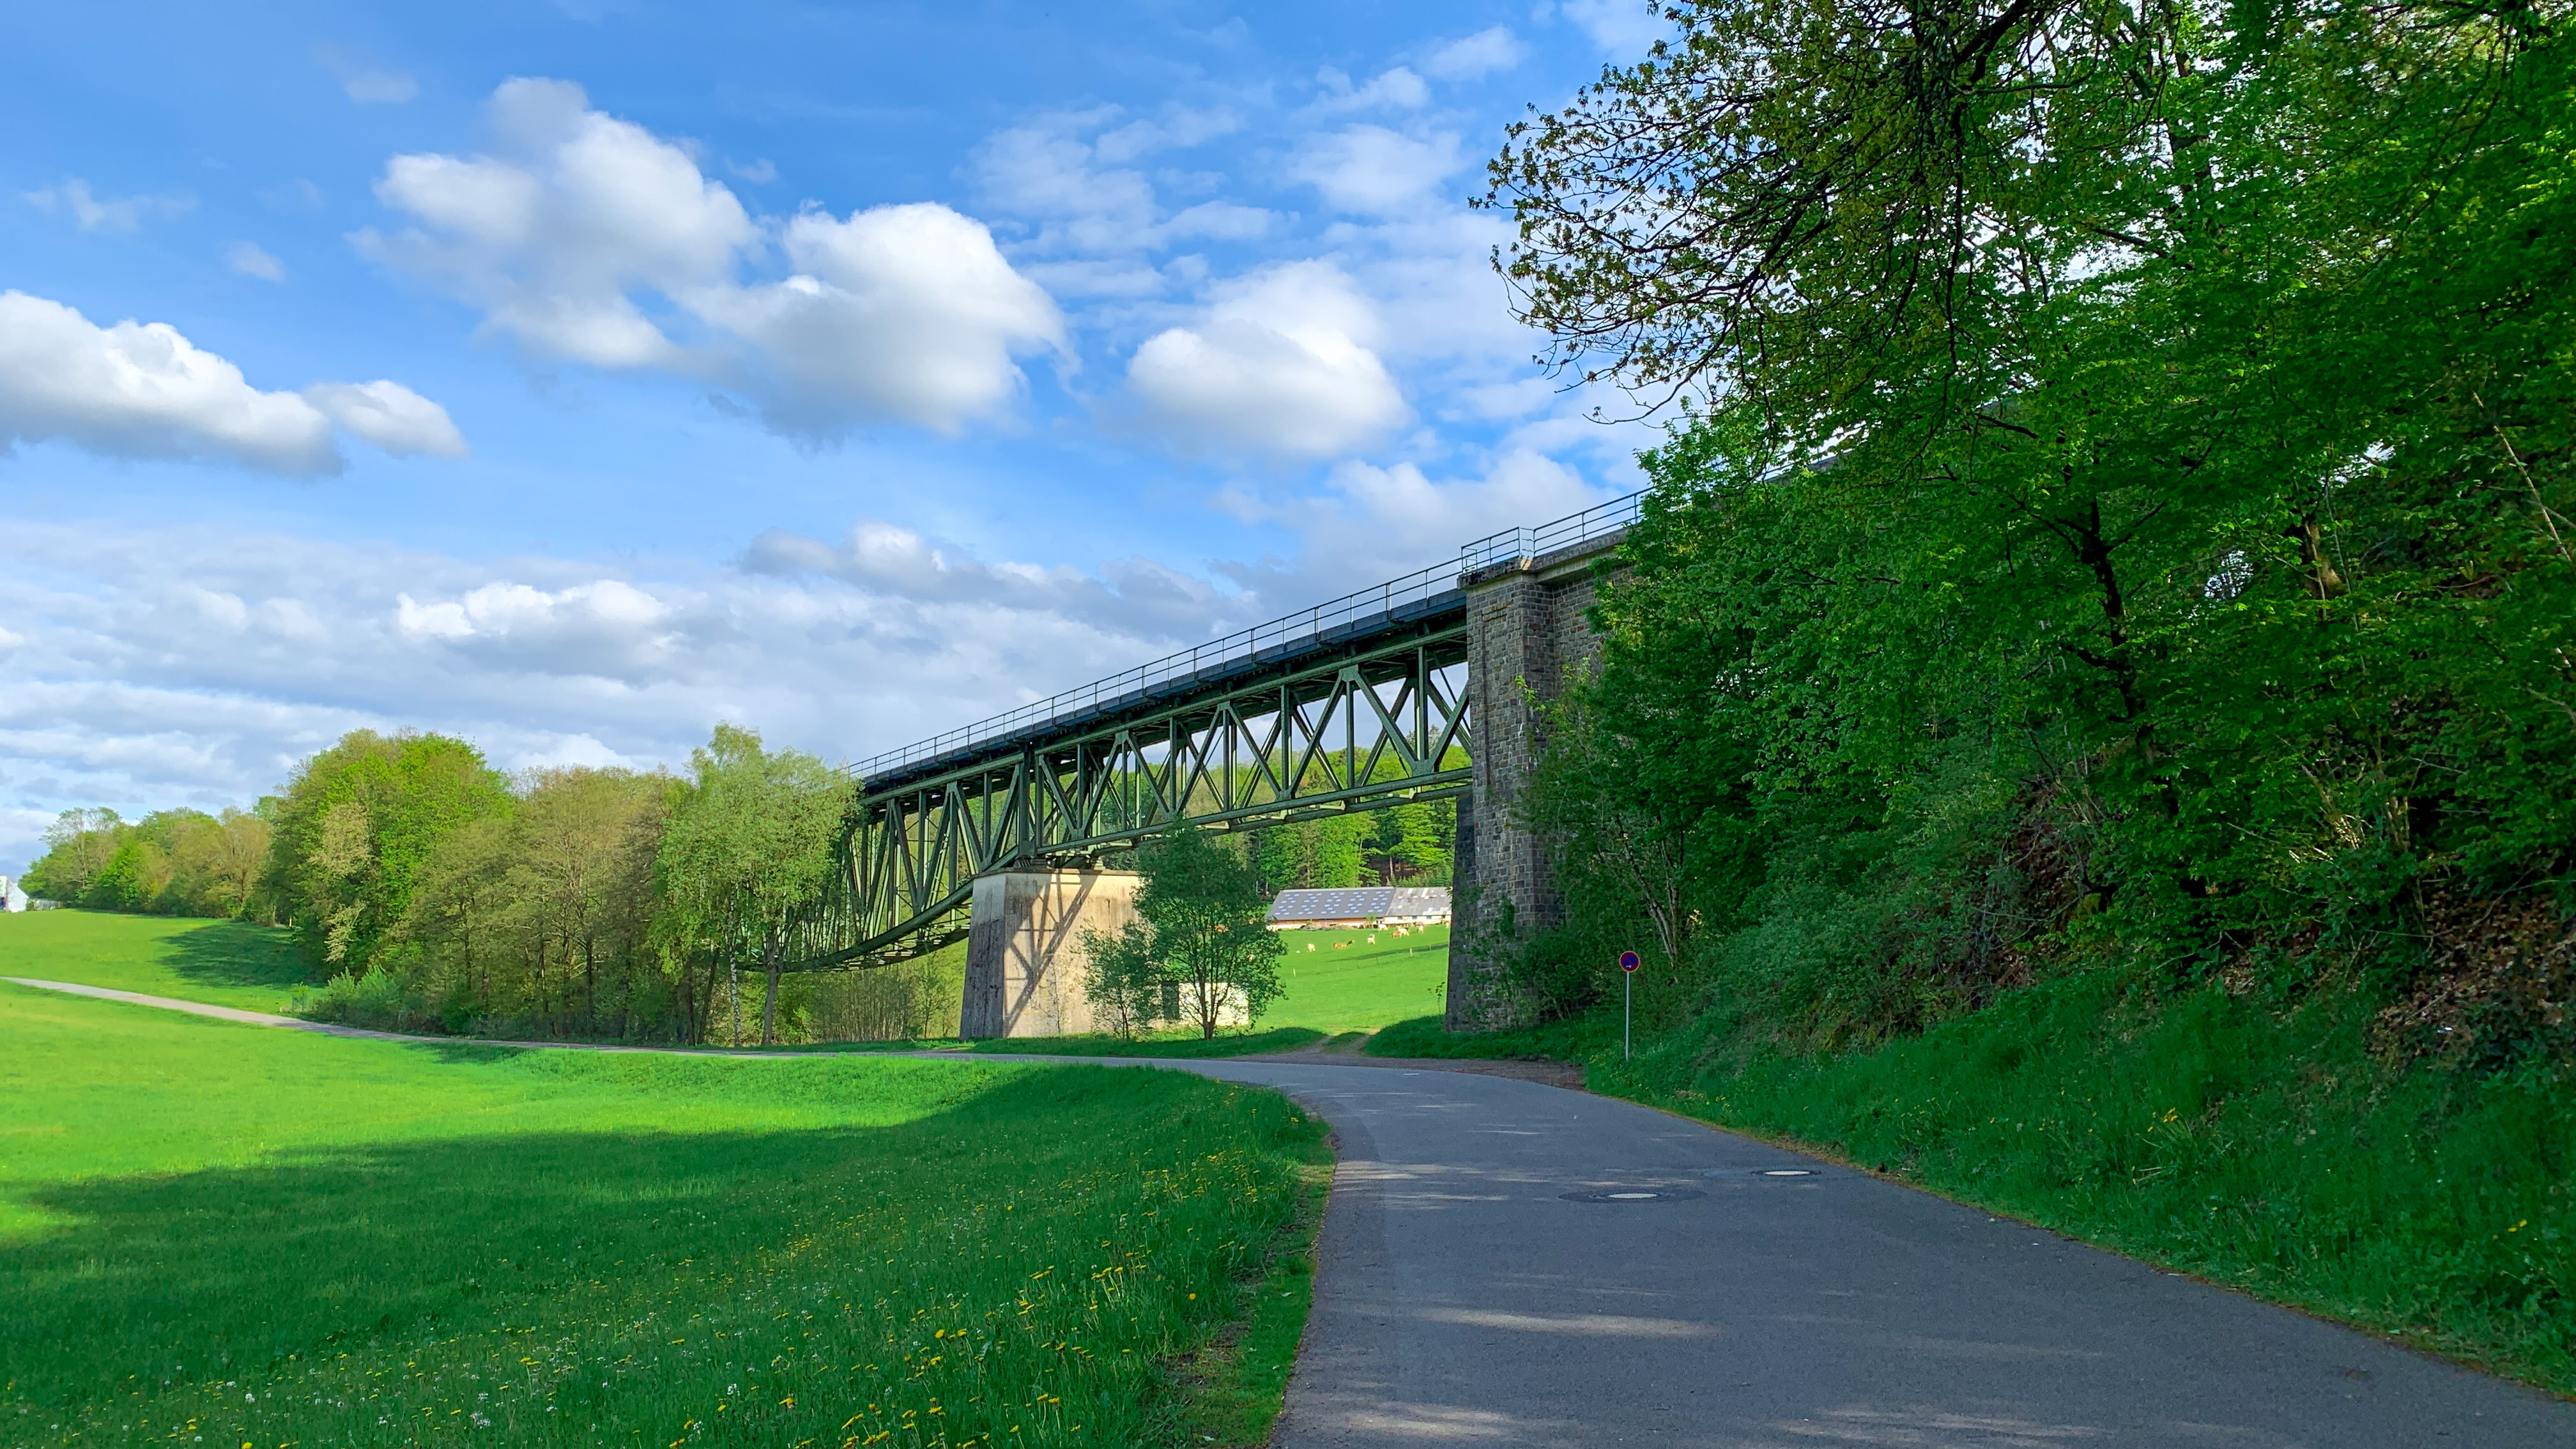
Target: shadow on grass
235 954
383 1251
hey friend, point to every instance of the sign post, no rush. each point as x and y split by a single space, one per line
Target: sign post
1627 1005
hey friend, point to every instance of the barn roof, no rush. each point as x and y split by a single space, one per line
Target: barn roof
1358 902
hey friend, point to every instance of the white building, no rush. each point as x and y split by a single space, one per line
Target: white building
13 897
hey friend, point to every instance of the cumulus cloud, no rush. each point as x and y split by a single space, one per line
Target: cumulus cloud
92 212
1374 171
550 236
578 220
905 312
389 415
1480 54
141 390
1280 364
252 260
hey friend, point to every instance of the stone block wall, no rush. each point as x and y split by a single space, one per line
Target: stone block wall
1526 635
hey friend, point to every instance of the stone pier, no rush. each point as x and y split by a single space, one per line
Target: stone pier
1024 956
1526 634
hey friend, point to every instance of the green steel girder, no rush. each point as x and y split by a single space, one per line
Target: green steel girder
1378 721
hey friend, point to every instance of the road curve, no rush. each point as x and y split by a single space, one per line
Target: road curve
1758 1300
1461 1298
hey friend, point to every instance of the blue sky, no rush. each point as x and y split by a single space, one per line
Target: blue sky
572 376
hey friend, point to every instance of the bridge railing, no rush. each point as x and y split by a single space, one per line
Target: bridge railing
1368 606
1512 544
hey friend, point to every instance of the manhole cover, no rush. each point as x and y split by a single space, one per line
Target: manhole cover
1633 1194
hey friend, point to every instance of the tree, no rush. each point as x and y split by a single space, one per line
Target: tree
748 849
2120 491
1200 946
77 847
358 822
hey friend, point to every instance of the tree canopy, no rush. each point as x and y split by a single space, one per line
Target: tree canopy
2117 498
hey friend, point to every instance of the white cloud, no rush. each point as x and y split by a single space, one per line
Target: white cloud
1480 54
389 415
1048 172
1374 171
1281 364
1371 522
92 212
144 391
550 237
364 83
252 260
1620 27
907 313
1178 128
1135 598
1396 89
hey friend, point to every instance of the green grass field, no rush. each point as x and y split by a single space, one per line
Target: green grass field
224 962
237 1235
1348 983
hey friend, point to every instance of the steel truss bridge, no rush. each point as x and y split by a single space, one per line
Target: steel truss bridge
1355 704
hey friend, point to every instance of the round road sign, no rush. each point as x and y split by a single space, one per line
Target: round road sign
1627 960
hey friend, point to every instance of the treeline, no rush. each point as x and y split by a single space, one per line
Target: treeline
1400 845
433 892
2128 515
169 863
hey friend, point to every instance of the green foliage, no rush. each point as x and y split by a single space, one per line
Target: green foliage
536 922
747 849
1405 844
172 862
2128 519
1199 952
356 826
270 1236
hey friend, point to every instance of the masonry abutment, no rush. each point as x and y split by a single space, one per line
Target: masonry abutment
1526 635
1025 961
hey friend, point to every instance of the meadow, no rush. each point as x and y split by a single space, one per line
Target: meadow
229 963
219 1234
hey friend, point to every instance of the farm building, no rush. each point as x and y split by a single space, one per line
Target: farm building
1360 906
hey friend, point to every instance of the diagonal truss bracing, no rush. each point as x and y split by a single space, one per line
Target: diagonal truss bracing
1366 721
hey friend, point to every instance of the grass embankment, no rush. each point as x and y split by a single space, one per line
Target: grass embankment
225 1235
224 962
2262 1149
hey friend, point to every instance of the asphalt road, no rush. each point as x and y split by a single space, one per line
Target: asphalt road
1461 1298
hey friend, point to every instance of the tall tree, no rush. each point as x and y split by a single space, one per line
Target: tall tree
1200 946
748 848
357 823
